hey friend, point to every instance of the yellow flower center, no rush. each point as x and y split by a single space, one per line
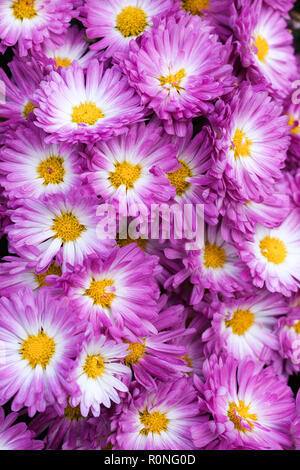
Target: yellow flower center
126 174
28 108
240 321
137 352
296 327
261 48
67 227
178 178
86 113
141 242
73 414
240 416
24 9
53 269
241 144
195 6
63 62
52 170
94 366
172 80
97 292
295 125
38 350
188 360
153 422
132 21
273 249
214 256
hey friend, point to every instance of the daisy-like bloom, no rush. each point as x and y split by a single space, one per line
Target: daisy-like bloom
19 90
66 428
29 23
177 69
255 141
288 332
117 22
99 375
191 180
216 266
251 407
74 48
76 105
265 46
243 328
16 436
116 292
64 226
30 168
294 123
158 420
38 341
16 273
273 256
132 169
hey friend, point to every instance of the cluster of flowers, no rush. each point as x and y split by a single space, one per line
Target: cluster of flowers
139 343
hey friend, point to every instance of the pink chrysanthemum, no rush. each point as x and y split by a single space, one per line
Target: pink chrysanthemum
288 332
16 436
76 105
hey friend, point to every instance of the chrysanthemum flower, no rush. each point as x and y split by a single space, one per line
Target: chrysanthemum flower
294 123
132 169
116 292
117 22
76 105
254 145
177 69
288 331
38 341
99 375
265 46
16 436
251 407
295 427
243 328
273 256
30 168
29 23
66 429
158 420
63 226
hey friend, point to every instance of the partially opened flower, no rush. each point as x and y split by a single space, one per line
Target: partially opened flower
158 420
99 375
29 23
250 407
273 256
288 332
16 436
76 105
178 69
64 226
117 22
38 342
30 168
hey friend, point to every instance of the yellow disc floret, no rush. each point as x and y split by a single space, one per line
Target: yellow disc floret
154 422
28 108
241 144
214 256
172 80
241 417
141 242
295 125
273 249
296 327
62 62
261 48
178 178
195 7
131 21
24 9
240 321
52 170
38 350
73 414
86 113
125 173
53 269
137 351
97 292
67 227
94 366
